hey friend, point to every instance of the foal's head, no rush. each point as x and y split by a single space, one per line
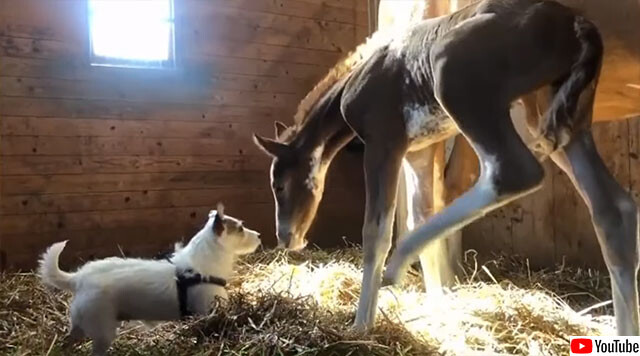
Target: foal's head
297 182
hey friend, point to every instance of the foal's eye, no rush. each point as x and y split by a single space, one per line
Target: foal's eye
278 188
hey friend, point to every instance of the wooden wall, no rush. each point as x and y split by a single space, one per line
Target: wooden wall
554 224
135 158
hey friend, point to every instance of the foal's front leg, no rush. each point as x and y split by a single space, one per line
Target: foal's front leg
382 168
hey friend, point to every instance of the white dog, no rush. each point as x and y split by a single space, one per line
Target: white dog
115 289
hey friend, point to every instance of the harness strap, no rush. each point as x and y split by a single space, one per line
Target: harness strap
189 278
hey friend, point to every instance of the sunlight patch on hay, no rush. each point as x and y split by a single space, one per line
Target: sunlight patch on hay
478 316
331 285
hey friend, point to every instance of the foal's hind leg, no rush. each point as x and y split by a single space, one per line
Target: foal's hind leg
508 170
615 218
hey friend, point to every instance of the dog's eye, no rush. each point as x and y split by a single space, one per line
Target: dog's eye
278 188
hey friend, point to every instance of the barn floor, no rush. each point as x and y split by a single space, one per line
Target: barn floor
284 305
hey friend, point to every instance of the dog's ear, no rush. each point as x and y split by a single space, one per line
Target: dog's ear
218 221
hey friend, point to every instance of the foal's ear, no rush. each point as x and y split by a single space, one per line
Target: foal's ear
280 128
218 221
271 147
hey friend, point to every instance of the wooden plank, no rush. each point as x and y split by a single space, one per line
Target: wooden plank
115 109
15 225
70 127
502 229
478 236
34 48
230 24
521 215
343 4
93 183
3 252
139 92
145 199
11 27
532 219
90 220
318 11
204 47
127 146
612 142
634 158
196 66
258 67
115 76
43 165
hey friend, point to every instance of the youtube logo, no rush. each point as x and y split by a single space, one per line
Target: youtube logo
581 346
604 345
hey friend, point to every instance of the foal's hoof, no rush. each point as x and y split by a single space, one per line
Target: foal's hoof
387 281
360 328
391 277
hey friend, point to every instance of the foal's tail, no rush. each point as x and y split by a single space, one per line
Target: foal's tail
582 78
49 271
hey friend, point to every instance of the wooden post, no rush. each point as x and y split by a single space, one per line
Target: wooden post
421 193
373 15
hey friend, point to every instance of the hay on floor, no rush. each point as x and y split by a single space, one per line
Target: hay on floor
304 304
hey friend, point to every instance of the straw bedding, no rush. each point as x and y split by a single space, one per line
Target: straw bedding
304 303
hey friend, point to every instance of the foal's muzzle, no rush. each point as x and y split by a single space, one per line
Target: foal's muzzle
291 241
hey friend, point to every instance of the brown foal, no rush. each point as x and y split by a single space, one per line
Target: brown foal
406 89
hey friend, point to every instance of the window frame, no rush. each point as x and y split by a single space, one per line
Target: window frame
106 61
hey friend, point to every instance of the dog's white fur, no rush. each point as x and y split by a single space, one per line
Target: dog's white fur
107 291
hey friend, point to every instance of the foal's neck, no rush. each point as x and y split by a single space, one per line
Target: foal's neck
324 133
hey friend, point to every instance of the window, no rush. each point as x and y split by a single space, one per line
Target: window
132 33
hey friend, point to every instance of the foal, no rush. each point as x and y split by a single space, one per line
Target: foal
405 90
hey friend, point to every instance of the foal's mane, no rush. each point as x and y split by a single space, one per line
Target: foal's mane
338 72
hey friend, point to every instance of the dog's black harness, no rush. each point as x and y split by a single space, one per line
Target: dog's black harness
188 278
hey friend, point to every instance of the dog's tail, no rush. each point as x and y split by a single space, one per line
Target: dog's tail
50 272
